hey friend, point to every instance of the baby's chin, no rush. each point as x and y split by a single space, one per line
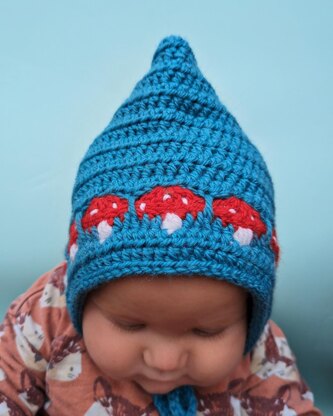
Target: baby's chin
158 387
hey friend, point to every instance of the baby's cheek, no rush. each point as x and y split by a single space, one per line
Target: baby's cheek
211 361
219 358
114 354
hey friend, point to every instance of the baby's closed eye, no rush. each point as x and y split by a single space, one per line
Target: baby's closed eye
204 333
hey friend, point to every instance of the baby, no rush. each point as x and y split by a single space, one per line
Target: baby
162 305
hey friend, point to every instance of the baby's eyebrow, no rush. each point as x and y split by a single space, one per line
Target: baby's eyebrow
209 325
112 315
124 318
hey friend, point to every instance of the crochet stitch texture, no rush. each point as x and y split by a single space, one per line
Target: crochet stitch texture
173 185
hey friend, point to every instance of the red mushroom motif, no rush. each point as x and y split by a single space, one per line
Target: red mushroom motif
172 203
275 247
72 245
245 219
102 212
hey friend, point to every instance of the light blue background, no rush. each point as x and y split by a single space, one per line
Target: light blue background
66 67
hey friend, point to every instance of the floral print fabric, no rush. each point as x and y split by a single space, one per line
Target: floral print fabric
45 369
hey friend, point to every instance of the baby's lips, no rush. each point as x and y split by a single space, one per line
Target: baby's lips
102 212
245 219
172 203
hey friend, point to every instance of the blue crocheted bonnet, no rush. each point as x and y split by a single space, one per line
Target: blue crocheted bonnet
173 185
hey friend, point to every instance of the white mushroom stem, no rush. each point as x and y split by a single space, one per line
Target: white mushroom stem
72 251
171 223
243 236
104 231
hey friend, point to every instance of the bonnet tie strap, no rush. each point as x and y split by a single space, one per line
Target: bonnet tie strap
179 402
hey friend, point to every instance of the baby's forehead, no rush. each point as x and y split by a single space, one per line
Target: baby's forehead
168 297
177 286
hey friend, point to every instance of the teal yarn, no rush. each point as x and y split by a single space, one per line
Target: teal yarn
173 130
173 134
179 402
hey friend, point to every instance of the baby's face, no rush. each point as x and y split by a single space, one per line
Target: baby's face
166 332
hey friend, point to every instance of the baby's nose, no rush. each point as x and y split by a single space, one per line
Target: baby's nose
166 356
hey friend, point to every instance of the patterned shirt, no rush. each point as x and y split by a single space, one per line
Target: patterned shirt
46 370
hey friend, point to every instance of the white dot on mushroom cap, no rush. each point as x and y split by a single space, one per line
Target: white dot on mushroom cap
166 196
252 217
185 201
94 211
233 211
142 206
114 205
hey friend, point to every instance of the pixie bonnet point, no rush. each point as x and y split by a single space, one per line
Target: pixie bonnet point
173 185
